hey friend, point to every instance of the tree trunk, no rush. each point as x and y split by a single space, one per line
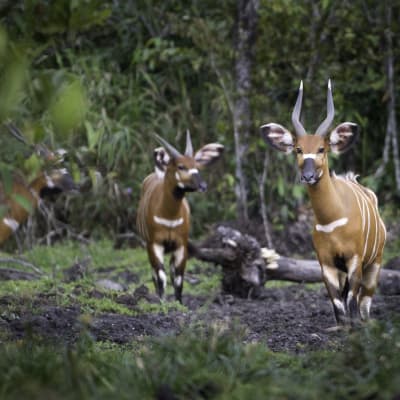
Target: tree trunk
246 31
391 142
391 123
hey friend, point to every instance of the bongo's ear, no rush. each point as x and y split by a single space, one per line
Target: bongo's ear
343 137
278 137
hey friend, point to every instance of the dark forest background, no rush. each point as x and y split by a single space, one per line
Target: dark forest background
98 78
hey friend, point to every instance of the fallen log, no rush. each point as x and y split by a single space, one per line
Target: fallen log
8 274
246 267
309 271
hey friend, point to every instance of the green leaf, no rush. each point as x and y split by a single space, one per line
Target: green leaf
76 173
280 186
12 85
298 192
3 42
7 180
93 136
69 108
96 179
32 165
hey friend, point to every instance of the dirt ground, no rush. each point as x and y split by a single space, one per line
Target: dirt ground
292 318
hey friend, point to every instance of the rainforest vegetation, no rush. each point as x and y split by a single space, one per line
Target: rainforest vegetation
100 79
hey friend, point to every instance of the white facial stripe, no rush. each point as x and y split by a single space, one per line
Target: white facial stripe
181 185
339 305
177 177
365 305
63 171
193 171
309 155
163 277
12 223
328 228
159 252
320 173
169 223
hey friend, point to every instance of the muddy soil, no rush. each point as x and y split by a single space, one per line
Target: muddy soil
293 318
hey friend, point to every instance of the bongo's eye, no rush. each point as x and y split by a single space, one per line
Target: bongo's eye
299 150
182 167
321 150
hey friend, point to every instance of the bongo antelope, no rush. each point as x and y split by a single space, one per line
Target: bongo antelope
17 195
349 234
163 215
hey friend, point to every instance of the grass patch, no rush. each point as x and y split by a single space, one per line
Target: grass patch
104 262
201 363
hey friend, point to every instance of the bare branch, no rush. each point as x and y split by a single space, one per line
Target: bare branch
24 263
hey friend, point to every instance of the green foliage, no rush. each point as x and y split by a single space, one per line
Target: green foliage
213 365
69 108
13 74
101 77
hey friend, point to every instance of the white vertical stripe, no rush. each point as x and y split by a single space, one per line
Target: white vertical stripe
369 227
374 248
364 217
